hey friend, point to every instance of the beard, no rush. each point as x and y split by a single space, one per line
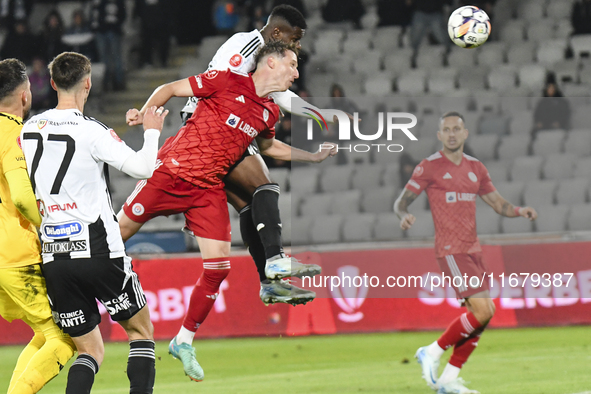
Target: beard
454 150
26 113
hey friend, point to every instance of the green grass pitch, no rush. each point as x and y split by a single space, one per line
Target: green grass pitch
520 361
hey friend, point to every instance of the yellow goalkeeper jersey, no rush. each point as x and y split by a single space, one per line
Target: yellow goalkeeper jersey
19 244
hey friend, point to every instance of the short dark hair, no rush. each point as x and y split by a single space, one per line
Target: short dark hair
450 114
69 68
13 73
290 14
275 46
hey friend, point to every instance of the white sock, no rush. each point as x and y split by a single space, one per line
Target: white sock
184 336
449 373
435 351
276 257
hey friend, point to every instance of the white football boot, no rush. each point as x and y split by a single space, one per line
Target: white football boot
285 292
455 386
429 366
285 267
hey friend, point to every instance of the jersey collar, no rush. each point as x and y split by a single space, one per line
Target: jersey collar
18 119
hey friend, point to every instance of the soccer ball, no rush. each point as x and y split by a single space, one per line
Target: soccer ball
468 27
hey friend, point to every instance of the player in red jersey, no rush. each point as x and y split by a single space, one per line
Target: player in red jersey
192 164
452 181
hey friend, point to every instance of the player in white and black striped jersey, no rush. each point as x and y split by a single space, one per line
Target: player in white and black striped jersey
83 253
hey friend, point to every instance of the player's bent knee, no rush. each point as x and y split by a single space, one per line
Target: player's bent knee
139 326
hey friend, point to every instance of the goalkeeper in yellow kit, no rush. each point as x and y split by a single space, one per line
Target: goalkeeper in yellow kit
22 287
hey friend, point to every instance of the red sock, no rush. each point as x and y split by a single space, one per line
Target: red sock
459 329
463 350
206 291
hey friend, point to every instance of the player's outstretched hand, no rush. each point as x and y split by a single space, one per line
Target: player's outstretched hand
154 118
134 117
528 213
326 149
407 221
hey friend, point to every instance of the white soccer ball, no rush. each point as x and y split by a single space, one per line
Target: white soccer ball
468 27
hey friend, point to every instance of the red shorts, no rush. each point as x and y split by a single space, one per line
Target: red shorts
465 266
206 210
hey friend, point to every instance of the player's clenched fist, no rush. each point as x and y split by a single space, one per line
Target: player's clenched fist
154 118
528 213
133 117
407 221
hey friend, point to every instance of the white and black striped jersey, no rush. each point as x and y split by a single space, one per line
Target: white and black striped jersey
66 153
236 54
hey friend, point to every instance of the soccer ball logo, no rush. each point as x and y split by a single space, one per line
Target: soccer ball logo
468 27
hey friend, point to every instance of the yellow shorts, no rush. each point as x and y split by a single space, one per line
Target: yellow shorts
23 294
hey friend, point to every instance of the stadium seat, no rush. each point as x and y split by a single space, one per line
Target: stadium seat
386 38
423 226
368 63
579 217
559 9
583 168
483 146
457 104
548 141
539 193
304 180
236 238
279 176
516 225
513 146
398 61
336 178
559 166
380 85
566 71
549 55
368 176
578 142
319 84
346 202
532 76
421 149
412 82
326 229
576 91
531 11
521 54
522 123
316 204
461 58
513 31
487 221
526 168
551 218
502 78
498 170
379 200
581 118
514 105
357 42
492 54
427 105
493 124
572 191
511 191
564 28
358 227
387 227
288 204
300 230
431 58
441 84
391 175
581 45
541 31
474 81
328 45
487 102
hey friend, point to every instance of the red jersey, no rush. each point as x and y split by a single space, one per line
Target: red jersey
228 118
452 190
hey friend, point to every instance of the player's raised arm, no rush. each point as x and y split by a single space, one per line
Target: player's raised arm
505 208
401 204
163 93
281 151
294 104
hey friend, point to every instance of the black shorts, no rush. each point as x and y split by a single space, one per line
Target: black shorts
74 285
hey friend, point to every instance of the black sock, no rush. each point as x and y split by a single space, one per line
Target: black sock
251 239
81 375
265 213
141 366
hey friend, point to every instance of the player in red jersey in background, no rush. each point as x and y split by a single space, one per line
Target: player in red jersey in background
452 181
192 164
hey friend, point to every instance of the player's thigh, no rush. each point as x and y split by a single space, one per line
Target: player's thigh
139 325
249 174
23 294
237 198
212 248
208 218
466 272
